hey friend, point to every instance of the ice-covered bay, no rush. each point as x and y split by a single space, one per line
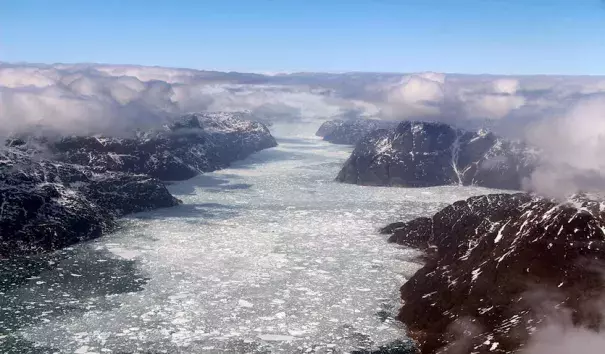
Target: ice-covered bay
270 255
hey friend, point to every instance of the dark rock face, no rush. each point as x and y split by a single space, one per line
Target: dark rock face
349 132
328 127
194 143
46 205
498 265
49 204
421 154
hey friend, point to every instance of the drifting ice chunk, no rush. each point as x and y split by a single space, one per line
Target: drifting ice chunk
244 303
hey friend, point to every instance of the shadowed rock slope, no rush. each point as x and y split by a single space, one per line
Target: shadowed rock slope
200 142
89 181
498 266
423 154
46 205
350 132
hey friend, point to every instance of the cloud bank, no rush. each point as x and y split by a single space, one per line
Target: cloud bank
83 99
88 97
572 146
561 116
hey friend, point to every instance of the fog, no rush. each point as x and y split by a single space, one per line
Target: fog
565 338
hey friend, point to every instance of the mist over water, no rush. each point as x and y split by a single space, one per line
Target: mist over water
270 255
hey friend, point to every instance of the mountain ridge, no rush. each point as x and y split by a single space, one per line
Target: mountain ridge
424 154
57 192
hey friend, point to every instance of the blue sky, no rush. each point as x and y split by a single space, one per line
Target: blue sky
466 36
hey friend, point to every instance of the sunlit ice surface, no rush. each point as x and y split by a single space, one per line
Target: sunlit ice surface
269 255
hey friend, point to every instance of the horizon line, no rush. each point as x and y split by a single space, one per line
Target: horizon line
274 73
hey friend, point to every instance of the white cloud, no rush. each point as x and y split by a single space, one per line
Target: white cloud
506 86
80 97
415 95
26 77
145 74
572 145
83 98
556 339
491 106
418 89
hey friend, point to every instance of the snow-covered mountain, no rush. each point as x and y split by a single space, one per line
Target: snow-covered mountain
422 154
497 266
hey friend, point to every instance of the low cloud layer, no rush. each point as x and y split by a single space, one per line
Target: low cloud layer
561 116
90 99
572 146
565 338
83 97
562 330
507 104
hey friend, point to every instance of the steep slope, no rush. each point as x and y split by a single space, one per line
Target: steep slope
49 204
194 143
422 154
46 205
498 265
349 132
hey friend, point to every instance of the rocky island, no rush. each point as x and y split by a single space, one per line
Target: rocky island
349 132
424 154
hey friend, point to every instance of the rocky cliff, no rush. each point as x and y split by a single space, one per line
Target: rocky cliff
497 266
194 143
349 132
422 154
46 205
57 191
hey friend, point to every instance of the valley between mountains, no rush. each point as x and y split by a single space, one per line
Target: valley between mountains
216 233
